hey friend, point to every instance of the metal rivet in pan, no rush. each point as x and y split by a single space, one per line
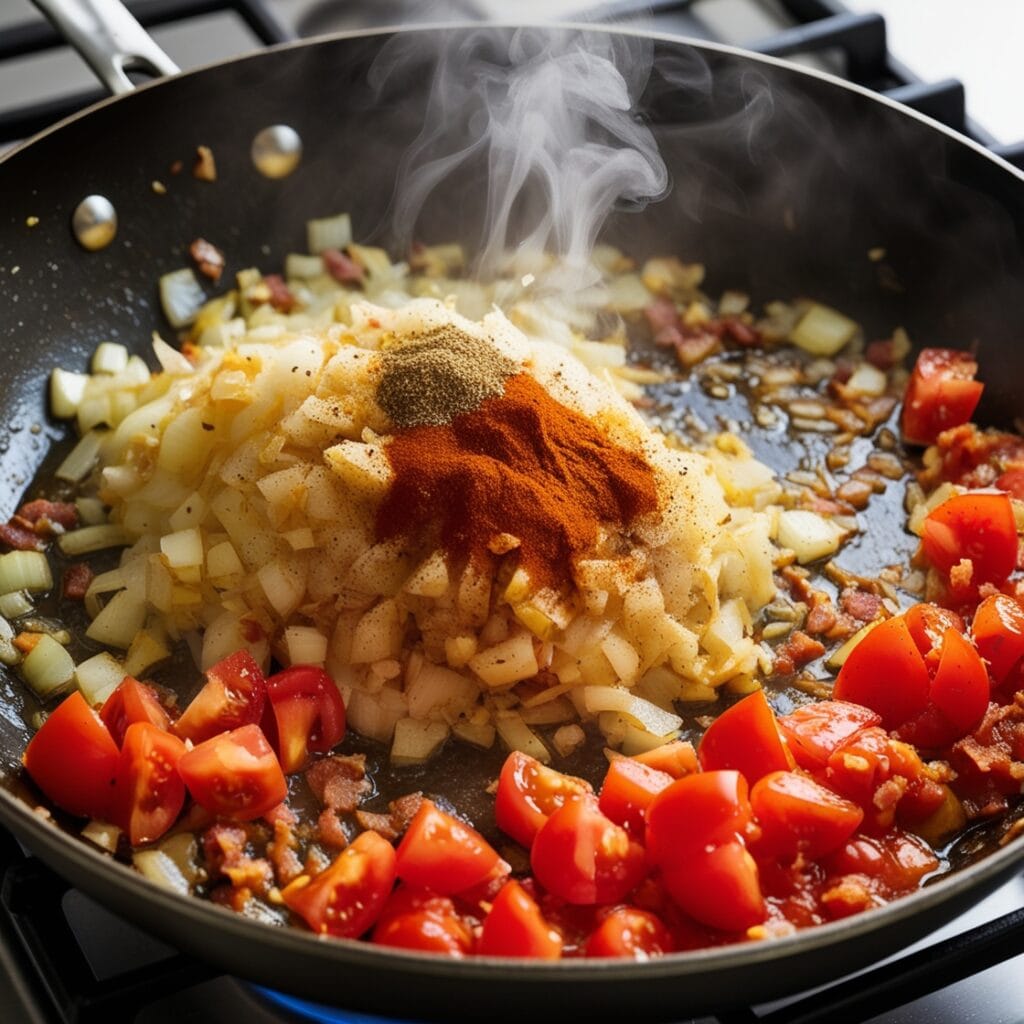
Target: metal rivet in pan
276 151
94 222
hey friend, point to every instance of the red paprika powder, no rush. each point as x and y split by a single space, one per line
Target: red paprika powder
520 463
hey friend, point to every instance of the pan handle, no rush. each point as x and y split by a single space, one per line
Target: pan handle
109 39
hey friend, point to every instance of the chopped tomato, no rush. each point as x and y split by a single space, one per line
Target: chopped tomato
233 696
516 927
419 919
886 673
860 765
677 758
799 816
928 624
73 759
696 834
815 731
998 632
235 775
441 853
149 794
627 792
630 932
131 702
583 857
305 715
897 862
745 737
528 793
942 393
346 898
957 699
976 527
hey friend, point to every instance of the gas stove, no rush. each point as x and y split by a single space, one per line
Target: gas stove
66 960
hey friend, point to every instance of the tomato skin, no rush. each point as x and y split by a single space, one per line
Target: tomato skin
441 853
73 759
677 758
516 927
233 696
746 738
860 765
886 672
235 775
800 816
941 393
815 731
131 702
978 526
696 831
628 789
149 794
898 861
958 698
304 714
998 632
419 919
528 793
583 857
346 898
630 932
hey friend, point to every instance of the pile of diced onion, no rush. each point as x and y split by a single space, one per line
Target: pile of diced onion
241 483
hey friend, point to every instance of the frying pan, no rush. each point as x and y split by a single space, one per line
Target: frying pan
787 203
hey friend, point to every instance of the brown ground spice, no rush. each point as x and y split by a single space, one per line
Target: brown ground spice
520 464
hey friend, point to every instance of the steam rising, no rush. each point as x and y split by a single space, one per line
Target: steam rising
551 117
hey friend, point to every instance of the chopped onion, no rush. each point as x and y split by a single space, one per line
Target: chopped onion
66 391
517 735
15 604
823 331
48 667
181 297
297 265
146 650
109 358
329 233
808 534
415 742
103 834
306 645
119 621
80 460
91 511
24 570
9 654
97 677
87 539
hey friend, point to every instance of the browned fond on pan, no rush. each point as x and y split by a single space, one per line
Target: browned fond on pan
791 209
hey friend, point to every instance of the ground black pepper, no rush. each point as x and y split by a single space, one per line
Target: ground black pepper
440 374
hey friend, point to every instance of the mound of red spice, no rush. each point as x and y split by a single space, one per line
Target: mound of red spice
522 464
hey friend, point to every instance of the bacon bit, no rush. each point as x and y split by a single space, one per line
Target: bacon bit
961 574
230 897
733 327
26 642
379 823
281 297
842 373
283 813
21 538
204 167
796 650
850 895
990 762
252 874
822 615
329 829
208 258
342 267
798 581
63 513
889 793
75 583
660 314
281 850
824 506
223 846
252 631
881 354
339 782
861 605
